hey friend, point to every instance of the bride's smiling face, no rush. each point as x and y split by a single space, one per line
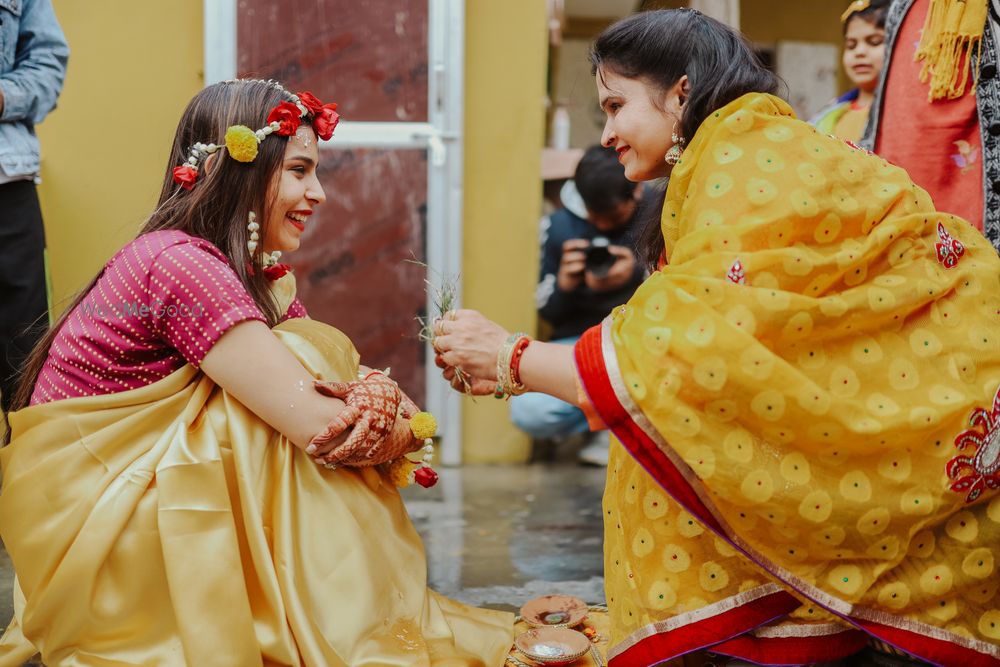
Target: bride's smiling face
640 121
296 192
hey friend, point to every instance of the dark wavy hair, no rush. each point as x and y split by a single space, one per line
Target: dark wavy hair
216 208
661 46
600 180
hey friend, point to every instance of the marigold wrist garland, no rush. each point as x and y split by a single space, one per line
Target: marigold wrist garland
242 142
403 471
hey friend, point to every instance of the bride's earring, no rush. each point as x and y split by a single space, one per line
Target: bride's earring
673 155
252 227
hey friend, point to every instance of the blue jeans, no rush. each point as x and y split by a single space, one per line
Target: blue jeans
544 416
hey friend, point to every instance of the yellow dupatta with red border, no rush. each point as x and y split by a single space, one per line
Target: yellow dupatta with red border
799 380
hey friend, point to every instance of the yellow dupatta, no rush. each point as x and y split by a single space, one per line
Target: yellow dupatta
952 30
797 379
169 525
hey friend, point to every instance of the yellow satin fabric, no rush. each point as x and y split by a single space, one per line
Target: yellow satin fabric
816 406
169 525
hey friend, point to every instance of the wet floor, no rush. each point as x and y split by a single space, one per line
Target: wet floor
499 536
496 536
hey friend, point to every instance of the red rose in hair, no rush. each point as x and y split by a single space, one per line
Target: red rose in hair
326 121
288 116
276 271
310 102
325 116
185 176
425 476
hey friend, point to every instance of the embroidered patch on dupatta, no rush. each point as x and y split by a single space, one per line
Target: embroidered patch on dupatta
736 273
949 249
982 470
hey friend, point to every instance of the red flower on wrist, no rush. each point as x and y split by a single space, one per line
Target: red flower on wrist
425 476
276 271
185 176
288 117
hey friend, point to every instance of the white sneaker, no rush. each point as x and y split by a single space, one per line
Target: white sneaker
595 450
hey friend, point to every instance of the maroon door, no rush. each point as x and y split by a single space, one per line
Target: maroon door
354 267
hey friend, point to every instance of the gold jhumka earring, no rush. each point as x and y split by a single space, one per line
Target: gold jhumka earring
673 155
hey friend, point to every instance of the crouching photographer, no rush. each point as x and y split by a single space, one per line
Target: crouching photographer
588 267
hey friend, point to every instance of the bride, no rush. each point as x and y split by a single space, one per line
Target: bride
175 491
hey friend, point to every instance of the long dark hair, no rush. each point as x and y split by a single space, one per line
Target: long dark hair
216 208
660 47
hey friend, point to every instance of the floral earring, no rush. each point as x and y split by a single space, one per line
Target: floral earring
673 155
252 227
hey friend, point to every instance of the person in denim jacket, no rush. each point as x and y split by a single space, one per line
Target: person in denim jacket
33 55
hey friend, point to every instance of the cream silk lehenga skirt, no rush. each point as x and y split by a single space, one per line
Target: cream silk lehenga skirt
168 525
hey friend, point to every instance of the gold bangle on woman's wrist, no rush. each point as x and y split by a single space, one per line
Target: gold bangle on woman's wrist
508 365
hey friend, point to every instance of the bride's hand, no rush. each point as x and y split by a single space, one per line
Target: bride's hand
466 340
398 441
372 407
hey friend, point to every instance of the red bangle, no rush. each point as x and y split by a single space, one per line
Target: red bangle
515 359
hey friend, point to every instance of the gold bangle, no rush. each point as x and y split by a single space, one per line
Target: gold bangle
507 386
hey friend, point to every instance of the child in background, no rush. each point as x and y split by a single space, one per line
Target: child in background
864 53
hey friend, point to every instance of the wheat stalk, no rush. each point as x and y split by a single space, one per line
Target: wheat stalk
443 295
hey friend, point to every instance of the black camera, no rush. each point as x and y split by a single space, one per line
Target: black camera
599 259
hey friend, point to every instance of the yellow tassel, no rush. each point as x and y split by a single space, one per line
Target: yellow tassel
952 30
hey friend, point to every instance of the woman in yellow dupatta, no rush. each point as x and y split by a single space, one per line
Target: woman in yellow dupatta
807 389
183 519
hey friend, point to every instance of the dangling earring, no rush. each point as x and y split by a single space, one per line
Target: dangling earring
252 227
673 155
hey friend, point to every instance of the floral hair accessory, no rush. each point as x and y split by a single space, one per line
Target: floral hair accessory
187 174
284 119
241 142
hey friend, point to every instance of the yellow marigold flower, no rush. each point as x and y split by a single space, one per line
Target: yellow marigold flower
241 143
401 471
423 425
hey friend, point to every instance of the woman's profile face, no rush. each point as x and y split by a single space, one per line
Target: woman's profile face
297 191
635 127
864 53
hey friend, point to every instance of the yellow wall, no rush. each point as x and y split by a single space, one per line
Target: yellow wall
768 21
104 149
506 55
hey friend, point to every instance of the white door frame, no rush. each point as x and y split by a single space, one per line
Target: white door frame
442 136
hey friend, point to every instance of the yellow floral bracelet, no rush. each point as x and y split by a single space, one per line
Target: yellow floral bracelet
402 471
